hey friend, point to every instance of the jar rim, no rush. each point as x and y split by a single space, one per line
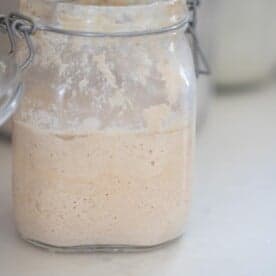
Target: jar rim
111 3
77 15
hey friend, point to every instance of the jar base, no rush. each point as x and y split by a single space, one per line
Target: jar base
100 248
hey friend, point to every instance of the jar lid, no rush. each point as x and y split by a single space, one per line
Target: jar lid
11 88
106 15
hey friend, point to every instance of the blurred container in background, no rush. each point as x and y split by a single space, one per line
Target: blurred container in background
6 6
245 44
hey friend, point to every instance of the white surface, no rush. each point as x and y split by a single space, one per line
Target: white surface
232 225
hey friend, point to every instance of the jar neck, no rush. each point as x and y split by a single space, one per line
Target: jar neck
107 16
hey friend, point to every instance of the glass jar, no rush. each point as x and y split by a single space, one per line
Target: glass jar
103 138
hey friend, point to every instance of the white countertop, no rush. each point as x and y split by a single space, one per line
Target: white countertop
232 222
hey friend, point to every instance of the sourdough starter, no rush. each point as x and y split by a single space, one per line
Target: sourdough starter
127 188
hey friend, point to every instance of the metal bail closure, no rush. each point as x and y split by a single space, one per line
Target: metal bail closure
201 64
19 26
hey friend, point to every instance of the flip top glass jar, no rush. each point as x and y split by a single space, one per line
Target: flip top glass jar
103 137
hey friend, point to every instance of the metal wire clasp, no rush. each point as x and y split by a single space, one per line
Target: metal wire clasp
19 26
201 64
